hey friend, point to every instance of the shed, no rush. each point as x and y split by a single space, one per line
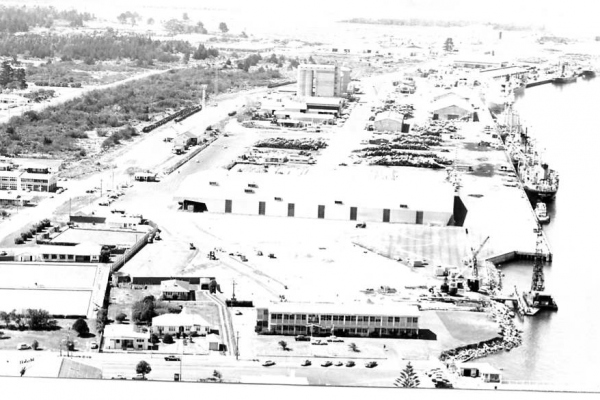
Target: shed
480 370
145 176
451 108
389 121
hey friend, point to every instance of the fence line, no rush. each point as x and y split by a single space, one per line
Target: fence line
134 249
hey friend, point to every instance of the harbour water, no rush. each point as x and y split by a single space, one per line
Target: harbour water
561 346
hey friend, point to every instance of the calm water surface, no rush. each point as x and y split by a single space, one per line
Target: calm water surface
562 346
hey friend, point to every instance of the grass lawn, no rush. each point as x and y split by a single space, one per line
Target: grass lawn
49 340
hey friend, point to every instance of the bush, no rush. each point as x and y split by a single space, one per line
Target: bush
81 327
121 317
168 339
35 345
19 240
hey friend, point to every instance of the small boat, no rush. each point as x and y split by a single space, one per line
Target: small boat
542 213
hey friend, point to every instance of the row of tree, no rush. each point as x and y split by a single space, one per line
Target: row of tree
36 320
15 19
90 48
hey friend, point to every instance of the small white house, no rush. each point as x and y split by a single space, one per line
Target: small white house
185 322
174 289
125 337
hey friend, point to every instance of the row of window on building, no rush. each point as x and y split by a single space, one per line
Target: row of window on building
302 318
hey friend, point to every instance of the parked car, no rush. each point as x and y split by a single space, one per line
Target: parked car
327 364
172 358
335 339
93 345
3 253
339 364
139 377
306 363
350 364
302 338
118 377
23 346
268 363
371 364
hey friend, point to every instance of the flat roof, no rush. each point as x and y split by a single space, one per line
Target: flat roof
99 236
83 249
398 309
496 72
326 101
352 186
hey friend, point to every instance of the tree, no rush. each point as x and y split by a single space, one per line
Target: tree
121 317
186 57
101 318
150 21
283 345
35 345
154 338
449 45
311 60
105 254
223 27
217 375
143 368
168 339
81 327
5 317
39 319
185 17
353 347
408 378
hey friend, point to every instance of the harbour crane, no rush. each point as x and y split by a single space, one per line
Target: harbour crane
473 283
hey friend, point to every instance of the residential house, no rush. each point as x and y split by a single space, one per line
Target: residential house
185 322
126 337
174 289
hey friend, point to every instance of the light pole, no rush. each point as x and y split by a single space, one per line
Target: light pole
237 346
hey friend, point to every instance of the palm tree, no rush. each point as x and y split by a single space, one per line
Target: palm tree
408 378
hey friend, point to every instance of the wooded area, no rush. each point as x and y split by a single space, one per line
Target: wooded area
117 110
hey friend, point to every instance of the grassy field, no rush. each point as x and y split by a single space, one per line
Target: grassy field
48 340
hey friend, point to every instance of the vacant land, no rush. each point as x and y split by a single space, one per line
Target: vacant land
113 112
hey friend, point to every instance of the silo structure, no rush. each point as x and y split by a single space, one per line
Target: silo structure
308 82
326 81
301 82
345 81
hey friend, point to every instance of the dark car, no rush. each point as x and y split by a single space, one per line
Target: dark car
371 364
268 363
327 364
350 364
339 364
302 338
172 358
306 363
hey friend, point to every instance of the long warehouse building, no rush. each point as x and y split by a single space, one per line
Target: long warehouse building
343 196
